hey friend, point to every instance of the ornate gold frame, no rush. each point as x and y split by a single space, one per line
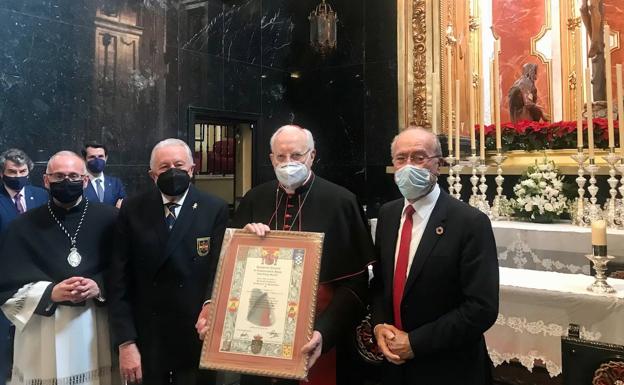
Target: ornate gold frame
421 41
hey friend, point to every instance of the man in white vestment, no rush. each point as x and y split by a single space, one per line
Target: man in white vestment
52 261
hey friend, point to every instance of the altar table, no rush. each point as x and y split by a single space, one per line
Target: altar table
536 308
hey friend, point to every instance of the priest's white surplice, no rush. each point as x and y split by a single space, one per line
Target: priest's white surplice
70 347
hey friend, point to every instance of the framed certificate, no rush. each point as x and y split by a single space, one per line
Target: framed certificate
263 303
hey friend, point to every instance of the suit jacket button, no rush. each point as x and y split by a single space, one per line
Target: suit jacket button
181 285
154 284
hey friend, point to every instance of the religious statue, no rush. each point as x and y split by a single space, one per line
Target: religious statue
592 15
523 97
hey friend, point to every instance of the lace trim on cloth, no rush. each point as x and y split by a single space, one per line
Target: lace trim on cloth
76 379
519 250
528 361
16 303
521 325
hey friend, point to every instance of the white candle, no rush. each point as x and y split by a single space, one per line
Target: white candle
449 104
482 114
607 50
457 148
578 68
434 110
497 97
471 103
590 113
457 117
620 96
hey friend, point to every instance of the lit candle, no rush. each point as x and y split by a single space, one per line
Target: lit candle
496 81
471 103
599 237
607 52
590 117
449 102
434 110
578 68
620 101
457 114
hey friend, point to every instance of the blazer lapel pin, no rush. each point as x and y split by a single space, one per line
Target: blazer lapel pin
439 230
194 205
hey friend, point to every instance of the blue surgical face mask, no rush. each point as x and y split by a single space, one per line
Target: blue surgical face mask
414 182
292 175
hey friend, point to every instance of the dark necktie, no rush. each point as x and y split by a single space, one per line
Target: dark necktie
99 190
18 203
400 271
171 217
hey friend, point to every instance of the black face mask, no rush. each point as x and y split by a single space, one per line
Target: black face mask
16 183
66 191
173 182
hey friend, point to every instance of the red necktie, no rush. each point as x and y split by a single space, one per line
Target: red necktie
400 271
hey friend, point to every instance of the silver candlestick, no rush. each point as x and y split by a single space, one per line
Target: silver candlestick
577 218
610 207
458 186
595 212
474 180
497 211
484 206
620 208
450 179
600 285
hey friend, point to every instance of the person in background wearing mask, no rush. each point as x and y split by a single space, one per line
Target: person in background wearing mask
167 246
16 196
435 290
51 286
108 190
300 200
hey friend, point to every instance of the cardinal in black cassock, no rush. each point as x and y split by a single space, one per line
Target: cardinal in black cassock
318 205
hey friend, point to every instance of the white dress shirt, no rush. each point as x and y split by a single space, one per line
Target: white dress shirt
422 211
93 178
179 200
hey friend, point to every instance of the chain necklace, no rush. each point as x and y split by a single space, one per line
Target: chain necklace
73 258
298 211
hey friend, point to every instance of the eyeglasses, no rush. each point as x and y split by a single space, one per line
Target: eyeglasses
59 176
414 158
295 156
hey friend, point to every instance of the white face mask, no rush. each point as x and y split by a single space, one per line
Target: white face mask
291 175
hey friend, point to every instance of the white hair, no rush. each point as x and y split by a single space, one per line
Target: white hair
437 147
170 142
292 127
66 153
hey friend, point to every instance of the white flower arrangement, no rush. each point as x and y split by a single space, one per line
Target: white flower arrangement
539 194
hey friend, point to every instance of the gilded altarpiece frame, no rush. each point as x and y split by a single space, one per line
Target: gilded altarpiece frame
426 27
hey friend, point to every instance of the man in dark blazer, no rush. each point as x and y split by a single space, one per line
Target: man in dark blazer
435 290
16 197
104 189
165 255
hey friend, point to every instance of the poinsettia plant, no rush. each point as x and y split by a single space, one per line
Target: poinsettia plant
532 136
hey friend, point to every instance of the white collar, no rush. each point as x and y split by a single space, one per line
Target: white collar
93 177
424 205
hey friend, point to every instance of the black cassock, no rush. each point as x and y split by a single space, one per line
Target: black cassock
35 248
321 206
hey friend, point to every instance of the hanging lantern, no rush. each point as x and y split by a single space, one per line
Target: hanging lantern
323 25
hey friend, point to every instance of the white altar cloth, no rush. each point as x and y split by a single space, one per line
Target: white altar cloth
536 308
